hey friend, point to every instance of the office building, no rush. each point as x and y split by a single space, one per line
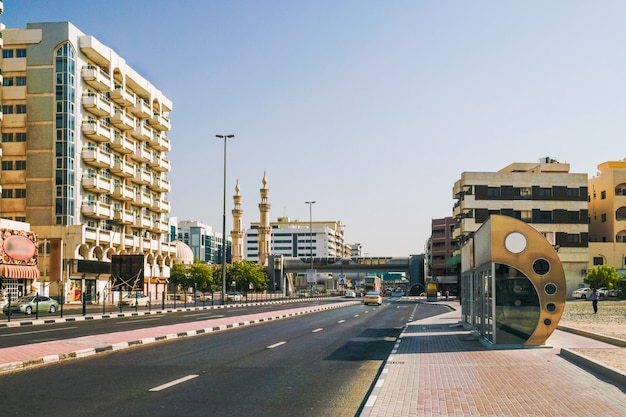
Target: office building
205 243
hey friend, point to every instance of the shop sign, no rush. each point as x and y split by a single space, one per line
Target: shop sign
19 247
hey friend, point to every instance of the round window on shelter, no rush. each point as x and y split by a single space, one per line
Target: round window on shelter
550 289
541 266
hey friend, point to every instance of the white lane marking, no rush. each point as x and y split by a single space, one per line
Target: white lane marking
37 331
216 316
341 321
171 384
136 321
317 330
356 315
276 345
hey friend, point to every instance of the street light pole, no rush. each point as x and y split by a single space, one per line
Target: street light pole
224 221
310 203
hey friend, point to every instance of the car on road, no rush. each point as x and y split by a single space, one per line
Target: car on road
372 297
205 296
234 296
29 304
603 292
136 300
350 294
583 293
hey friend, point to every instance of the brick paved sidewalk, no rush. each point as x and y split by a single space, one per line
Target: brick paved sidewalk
436 369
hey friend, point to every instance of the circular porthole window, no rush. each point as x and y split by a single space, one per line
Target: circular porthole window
550 289
547 322
541 266
551 307
515 242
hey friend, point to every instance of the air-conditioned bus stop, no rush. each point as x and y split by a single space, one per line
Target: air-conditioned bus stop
512 283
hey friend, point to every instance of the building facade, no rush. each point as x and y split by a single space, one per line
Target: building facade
607 216
543 194
440 250
205 243
84 158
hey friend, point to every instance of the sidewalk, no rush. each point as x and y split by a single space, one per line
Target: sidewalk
437 369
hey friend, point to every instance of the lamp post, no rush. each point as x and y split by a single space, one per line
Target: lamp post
311 271
224 221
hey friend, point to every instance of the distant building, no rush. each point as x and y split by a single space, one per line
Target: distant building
607 216
204 242
441 246
543 194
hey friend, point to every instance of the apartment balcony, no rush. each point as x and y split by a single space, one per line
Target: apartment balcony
161 206
96 130
155 226
123 192
142 109
96 183
160 142
141 154
122 96
160 164
143 200
123 121
96 157
94 103
122 144
143 177
96 209
161 184
96 78
123 216
160 122
143 222
142 132
123 168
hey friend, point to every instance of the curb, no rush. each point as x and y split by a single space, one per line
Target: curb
615 341
82 353
606 371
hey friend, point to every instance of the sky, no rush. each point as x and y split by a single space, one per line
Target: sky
370 108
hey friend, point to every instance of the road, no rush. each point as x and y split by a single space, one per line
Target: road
320 364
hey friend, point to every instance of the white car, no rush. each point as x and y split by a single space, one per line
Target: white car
583 293
136 299
234 296
350 294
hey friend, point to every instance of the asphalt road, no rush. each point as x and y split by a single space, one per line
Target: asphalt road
21 335
320 364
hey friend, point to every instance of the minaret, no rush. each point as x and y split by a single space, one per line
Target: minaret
265 229
237 233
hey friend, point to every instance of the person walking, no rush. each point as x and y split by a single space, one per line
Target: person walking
594 297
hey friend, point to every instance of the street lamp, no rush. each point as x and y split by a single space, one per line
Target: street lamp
311 272
224 220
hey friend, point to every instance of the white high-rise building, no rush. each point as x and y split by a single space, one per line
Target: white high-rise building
84 158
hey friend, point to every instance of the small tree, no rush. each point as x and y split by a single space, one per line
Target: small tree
245 273
602 276
201 275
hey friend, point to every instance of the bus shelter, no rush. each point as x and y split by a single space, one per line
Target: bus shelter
513 284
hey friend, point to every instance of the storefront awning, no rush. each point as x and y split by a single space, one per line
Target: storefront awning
19 271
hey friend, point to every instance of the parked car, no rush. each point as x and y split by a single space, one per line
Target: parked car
350 294
205 296
136 299
615 292
583 293
372 297
31 303
234 296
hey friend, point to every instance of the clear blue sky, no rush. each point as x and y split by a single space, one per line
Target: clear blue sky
371 108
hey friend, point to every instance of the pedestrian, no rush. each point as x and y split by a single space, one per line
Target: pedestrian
447 294
594 300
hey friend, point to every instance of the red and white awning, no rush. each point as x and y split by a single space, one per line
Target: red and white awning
19 271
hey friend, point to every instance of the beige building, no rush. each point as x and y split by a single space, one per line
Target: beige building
543 194
84 140
607 216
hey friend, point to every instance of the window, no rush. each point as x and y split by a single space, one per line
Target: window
20 219
20 136
20 53
598 260
7 53
20 80
20 193
7 165
603 195
20 165
603 218
7 193
7 137
7 81
20 109
7 109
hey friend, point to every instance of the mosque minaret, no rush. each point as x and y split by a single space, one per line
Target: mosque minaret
237 234
265 228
